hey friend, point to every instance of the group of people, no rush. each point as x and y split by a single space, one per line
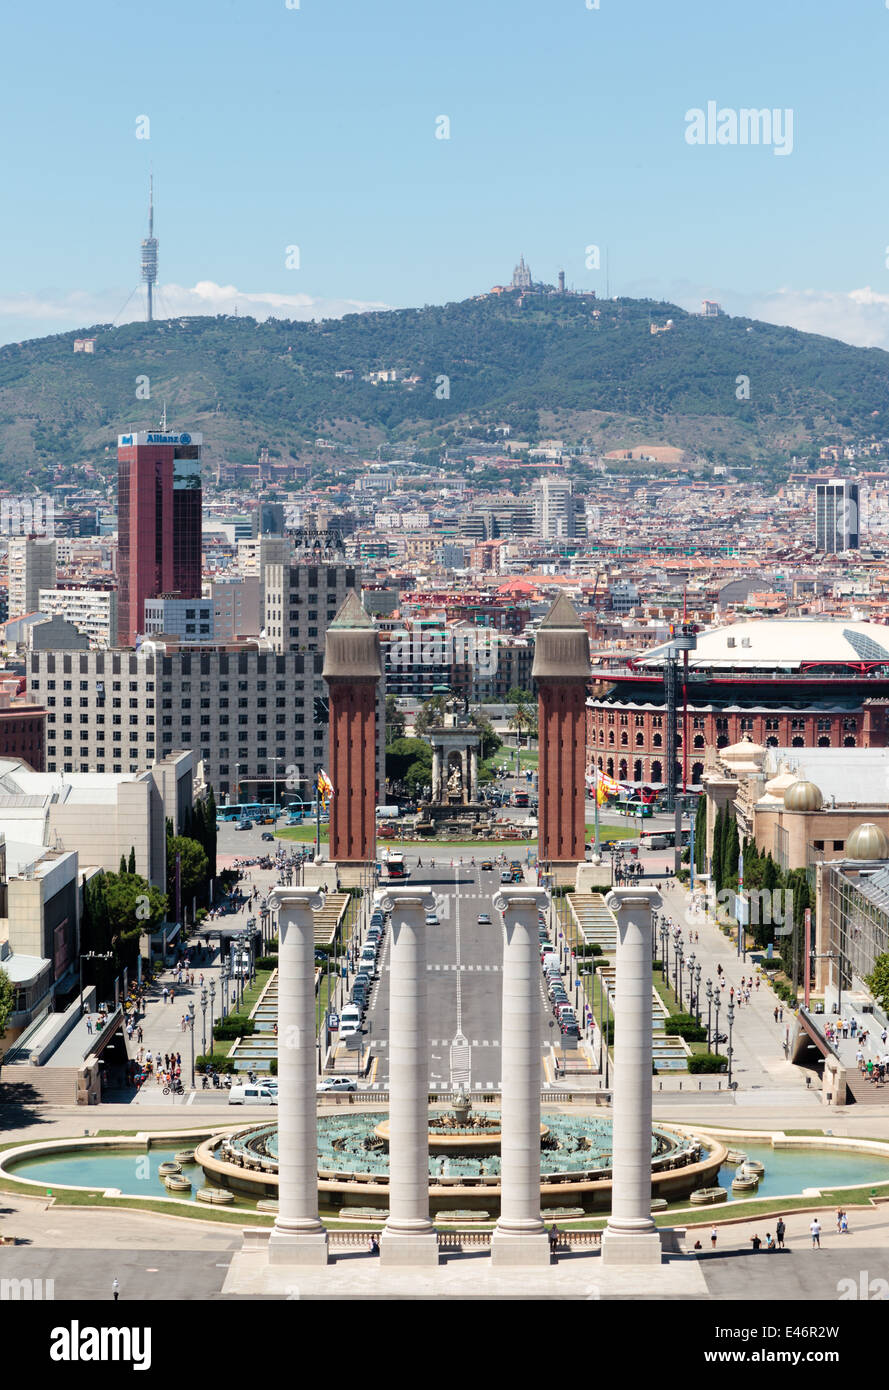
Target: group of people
166 1069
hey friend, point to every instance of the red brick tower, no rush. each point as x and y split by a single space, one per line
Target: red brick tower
562 671
352 670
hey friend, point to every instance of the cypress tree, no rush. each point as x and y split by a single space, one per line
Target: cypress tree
210 822
731 850
131 867
718 843
123 864
701 836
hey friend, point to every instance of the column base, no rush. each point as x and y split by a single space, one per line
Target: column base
626 1248
298 1248
520 1248
414 1249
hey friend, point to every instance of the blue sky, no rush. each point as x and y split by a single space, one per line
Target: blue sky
272 127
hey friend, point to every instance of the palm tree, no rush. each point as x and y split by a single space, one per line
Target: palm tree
520 721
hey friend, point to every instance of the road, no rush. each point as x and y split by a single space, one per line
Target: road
464 981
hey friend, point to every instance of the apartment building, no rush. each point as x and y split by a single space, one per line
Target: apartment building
32 567
92 611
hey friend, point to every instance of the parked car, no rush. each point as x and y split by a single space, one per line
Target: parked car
350 1019
484 919
506 876
432 919
337 1083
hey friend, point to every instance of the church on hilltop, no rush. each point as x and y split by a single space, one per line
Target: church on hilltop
521 276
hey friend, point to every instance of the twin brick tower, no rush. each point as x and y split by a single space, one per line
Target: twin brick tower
352 670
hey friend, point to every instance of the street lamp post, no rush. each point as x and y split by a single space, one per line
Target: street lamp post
226 972
698 992
717 1003
679 954
731 1019
691 983
204 1024
190 1018
709 1006
212 1002
666 931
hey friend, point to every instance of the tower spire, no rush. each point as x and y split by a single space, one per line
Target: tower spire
149 251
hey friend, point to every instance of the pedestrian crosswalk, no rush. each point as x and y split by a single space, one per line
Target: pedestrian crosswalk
463 966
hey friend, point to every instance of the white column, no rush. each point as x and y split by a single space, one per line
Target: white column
436 773
298 1237
408 1238
473 774
631 1236
520 1236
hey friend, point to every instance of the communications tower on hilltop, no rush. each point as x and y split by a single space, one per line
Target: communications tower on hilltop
149 252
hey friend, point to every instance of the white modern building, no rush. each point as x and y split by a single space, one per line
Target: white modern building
92 611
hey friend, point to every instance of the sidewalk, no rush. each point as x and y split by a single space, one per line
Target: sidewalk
758 1059
162 1030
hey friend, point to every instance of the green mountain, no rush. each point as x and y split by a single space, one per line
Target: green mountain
581 369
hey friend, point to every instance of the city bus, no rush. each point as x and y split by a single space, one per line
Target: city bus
246 810
662 839
632 808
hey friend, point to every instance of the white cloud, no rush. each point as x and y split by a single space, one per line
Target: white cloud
54 311
859 317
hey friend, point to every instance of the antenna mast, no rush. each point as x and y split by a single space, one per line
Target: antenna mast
149 252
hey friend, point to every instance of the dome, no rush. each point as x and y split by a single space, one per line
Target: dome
778 785
803 796
746 752
867 841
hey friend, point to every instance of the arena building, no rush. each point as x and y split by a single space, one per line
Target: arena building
784 683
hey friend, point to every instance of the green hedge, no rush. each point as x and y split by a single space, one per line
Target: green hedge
235 1026
214 1059
685 1026
266 962
707 1062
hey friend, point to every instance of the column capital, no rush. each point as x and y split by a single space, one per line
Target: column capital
284 899
521 896
407 897
628 899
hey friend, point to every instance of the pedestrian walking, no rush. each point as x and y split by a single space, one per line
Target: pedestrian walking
779 1233
776 1013
844 1224
780 1013
713 1235
139 1033
115 1288
815 1229
89 1024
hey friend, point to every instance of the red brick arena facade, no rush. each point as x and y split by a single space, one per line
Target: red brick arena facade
788 683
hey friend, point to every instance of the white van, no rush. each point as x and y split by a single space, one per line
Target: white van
350 1019
253 1095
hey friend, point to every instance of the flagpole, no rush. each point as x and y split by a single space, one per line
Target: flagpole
597 848
318 817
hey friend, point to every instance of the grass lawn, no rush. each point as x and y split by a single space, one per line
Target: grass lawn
327 983
303 834
252 992
612 832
